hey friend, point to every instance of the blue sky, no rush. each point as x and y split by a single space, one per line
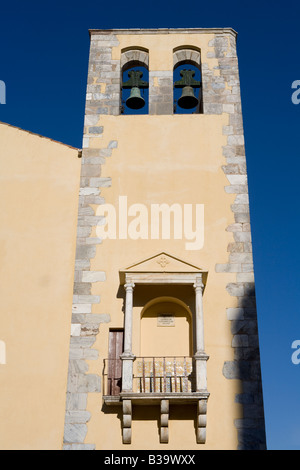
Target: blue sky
44 61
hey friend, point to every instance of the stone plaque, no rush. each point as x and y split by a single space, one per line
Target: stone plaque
166 319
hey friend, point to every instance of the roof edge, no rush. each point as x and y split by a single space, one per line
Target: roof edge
41 136
163 31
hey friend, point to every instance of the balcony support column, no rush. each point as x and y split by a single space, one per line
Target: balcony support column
127 356
200 355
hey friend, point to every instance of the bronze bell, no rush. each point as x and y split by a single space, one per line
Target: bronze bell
188 100
135 100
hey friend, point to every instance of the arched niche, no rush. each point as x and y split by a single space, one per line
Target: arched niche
166 328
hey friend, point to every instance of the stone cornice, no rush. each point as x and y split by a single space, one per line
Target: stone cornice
164 31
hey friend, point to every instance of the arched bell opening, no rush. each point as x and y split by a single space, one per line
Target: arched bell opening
134 81
187 81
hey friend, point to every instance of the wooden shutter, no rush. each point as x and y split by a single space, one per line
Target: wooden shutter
114 377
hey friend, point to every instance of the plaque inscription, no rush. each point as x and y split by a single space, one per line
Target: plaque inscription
166 319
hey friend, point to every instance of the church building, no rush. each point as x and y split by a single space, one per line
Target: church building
136 323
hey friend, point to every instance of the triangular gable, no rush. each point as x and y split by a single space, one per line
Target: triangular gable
162 262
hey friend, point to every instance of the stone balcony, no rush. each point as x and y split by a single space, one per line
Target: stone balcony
162 381
154 379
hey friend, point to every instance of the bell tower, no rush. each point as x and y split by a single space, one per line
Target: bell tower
164 349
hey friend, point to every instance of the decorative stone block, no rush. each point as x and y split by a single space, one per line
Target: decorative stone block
126 435
75 329
75 433
79 417
201 421
235 313
164 435
93 276
81 308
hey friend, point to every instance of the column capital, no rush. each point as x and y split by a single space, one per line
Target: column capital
198 284
201 356
127 356
129 285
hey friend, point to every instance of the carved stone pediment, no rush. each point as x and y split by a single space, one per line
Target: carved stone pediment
162 267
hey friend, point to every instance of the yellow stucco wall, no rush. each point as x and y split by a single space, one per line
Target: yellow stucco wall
38 219
168 159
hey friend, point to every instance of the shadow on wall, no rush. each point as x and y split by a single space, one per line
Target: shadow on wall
246 367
